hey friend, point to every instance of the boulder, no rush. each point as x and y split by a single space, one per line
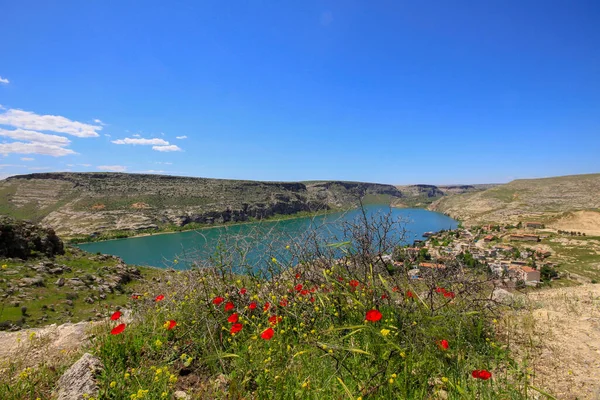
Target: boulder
79 381
502 296
35 281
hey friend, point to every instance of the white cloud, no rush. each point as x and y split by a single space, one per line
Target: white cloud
136 135
36 137
181 137
141 141
164 163
53 123
38 168
11 165
151 171
34 148
27 159
85 165
112 168
99 122
166 148
107 135
4 80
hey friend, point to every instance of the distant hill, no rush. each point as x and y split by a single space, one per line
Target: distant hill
423 195
551 200
86 203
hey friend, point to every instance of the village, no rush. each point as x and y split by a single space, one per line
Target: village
513 254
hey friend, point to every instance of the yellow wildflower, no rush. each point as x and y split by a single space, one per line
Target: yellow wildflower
385 332
113 384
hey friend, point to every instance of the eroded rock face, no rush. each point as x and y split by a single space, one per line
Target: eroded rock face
92 203
79 381
22 239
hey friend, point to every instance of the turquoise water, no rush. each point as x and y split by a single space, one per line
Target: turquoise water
264 238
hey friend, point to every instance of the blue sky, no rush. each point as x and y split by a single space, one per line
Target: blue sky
382 91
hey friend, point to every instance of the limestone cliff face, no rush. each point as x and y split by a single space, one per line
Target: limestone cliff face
84 203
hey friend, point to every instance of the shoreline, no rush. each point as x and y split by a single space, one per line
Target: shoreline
223 225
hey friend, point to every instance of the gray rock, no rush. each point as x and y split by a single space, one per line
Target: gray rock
60 282
35 281
89 300
502 296
80 380
180 394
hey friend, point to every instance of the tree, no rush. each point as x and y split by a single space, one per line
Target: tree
547 273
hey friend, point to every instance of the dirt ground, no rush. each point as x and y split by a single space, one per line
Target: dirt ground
558 332
587 222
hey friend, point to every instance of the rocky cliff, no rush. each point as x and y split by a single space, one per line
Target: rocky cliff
87 203
21 239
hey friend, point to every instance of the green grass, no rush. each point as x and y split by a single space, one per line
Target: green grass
582 258
50 301
321 348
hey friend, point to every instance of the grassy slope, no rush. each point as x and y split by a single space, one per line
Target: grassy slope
539 199
53 296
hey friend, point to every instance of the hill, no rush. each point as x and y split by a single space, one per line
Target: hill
554 201
423 195
91 203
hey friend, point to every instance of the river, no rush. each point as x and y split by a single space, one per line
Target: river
180 250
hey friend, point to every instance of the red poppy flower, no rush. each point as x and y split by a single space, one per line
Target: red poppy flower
229 306
304 292
233 318
410 294
274 319
384 296
235 328
283 303
135 296
314 289
340 279
267 306
170 324
159 297
439 290
485 375
373 315
353 283
218 300
118 329
312 299
243 291
443 344
252 305
395 289
481 374
298 287
267 334
298 276
449 295
116 315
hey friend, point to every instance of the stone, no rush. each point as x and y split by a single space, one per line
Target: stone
502 296
35 281
89 300
79 381
180 394
60 282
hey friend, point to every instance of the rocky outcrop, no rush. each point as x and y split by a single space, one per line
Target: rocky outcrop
79 381
21 239
92 203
